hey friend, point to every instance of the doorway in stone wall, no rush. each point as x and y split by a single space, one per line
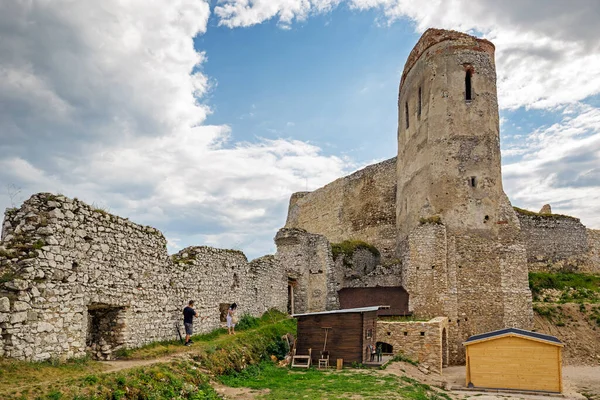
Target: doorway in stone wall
290 304
386 348
105 330
444 348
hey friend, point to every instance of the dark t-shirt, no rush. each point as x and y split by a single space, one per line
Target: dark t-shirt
188 315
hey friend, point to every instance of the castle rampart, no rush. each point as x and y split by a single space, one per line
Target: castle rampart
76 279
358 206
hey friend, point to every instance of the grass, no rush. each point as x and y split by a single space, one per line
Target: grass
544 216
175 380
215 351
575 287
348 247
284 383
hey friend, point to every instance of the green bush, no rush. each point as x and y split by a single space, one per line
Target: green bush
348 247
247 322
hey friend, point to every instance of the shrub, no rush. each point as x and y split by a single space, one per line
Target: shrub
348 247
247 322
434 219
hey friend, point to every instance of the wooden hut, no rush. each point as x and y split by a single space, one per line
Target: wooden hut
514 359
396 297
345 334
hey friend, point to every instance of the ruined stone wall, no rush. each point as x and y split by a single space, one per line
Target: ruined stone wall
550 238
593 255
359 206
558 242
425 342
307 263
77 279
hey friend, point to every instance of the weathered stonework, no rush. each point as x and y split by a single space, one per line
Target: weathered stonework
79 280
558 242
359 206
425 342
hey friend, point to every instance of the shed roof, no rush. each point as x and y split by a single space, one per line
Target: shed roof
513 332
343 311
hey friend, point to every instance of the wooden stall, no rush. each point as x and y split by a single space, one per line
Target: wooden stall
514 359
394 296
344 334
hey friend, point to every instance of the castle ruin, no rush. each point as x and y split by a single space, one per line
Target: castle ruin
430 230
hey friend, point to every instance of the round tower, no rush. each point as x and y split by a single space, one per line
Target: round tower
458 236
448 135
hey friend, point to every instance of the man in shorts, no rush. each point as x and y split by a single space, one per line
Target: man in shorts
188 321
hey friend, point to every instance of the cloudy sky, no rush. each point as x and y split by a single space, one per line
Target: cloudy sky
201 118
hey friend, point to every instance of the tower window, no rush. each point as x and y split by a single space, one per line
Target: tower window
406 113
468 76
473 181
419 105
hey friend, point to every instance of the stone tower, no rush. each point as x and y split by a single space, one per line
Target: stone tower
458 235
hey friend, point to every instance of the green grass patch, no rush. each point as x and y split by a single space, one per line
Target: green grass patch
348 247
575 287
284 383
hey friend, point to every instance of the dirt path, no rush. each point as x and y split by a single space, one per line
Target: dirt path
119 365
579 381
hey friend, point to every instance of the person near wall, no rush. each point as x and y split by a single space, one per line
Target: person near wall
231 319
188 321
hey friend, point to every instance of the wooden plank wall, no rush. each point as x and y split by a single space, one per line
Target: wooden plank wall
344 338
395 297
515 363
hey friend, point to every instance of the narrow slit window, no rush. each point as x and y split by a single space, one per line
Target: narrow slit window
468 85
406 113
473 181
419 105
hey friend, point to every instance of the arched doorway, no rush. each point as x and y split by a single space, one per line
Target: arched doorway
386 348
444 348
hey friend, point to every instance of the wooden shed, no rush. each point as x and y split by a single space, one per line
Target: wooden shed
349 332
514 359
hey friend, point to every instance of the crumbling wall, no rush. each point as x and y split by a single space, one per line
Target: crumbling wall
66 267
359 206
593 255
553 240
558 242
306 259
422 341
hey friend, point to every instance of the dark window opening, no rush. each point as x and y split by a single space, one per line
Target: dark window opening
369 333
486 219
405 333
389 333
419 105
473 181
433 267
422 333
406 113
468 75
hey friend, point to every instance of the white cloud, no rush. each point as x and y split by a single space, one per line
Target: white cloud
546 51
560 166
100 100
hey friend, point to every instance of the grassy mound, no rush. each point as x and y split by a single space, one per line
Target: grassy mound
572 287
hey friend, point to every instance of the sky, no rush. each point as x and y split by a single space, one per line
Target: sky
202 118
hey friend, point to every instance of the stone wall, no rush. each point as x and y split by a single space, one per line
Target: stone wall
74 279
558 242
359 206
425 342
550 238
593 255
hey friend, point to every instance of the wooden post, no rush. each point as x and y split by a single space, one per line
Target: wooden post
340 363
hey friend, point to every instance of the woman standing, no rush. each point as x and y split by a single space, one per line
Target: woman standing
231 319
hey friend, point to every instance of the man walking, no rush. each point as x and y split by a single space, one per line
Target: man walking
188 321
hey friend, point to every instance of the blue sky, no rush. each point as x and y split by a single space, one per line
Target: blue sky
202 118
